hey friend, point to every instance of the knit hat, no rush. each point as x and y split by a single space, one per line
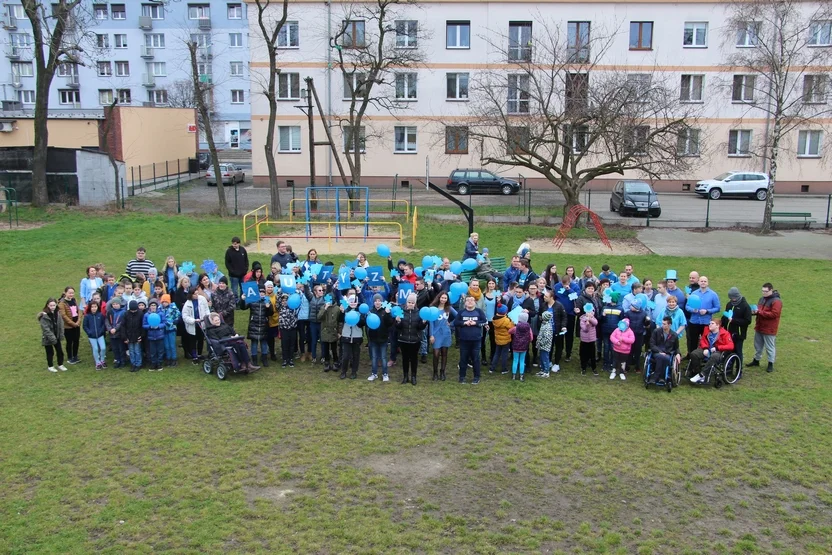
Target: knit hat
268 284
523 317
153 302
224 280
401 261
502 309
546 316
734 293
115 301
378 297
133 305
166 298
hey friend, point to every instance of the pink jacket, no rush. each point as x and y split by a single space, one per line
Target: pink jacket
625 338
588 329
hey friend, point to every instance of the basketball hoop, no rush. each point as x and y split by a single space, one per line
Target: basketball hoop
570 220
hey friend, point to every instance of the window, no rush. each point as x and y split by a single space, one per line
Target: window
577 92
639 84
406 86
692 88
456 140
458 34
457 86
119 11
405 139
696 35
237 96
23 69
349 139
158 96
687 143
199 11
814 89
26 97
235 39
739 142
157 69
201 39
105 97
288 86
288 138
121 41
353 34
406 33
17 12
354 83
641 35
289 36
105 69
69 96
821 33
122 69
67 70
517 140
204 70
520 41
21 39
154 40
102 41
124 96
153 11
518 94
577 138
637 140
100 11
236 69
748 35
235 11
808 144
743 88
578 41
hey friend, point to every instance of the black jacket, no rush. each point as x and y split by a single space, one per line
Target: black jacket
131 329
224 303
258 320
660 343
741 319
379 335
236 262
219 332
410 327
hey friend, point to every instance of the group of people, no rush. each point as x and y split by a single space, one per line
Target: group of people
324 314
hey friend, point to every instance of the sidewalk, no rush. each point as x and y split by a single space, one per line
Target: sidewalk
737 244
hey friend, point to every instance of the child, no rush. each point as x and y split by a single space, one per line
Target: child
377 339
440 334
52 329
155 336
145 343
328 317
502 324
622 340
589 335
351 339
639 324
258 323
170 314
610 316
522 337
131 335
544 343
304 345
288 322
274 319
115 316
95 328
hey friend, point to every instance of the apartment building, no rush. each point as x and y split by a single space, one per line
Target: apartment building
683 44
136 54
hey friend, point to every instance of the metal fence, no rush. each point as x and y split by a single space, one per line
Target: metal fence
161 175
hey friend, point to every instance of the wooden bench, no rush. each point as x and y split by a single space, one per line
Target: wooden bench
498 263
792 217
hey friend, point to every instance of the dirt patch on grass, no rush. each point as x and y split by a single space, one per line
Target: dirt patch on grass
409 468
350 240
590 246
278 495
24 226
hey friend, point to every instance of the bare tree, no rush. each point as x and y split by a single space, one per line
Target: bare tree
780 74
181 95
270 28
555 112
105 130
56 28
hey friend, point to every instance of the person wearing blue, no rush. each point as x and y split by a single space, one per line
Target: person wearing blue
628 299
89 285
679 321
304 342
567 295
472 248
96 330
639 324
527 276
701 316
631 278
440 335
611 314
512 273
469 324
377 338
282 256
673 291
606 273
622 286
155 335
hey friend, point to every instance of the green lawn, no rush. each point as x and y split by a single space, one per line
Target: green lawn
296 461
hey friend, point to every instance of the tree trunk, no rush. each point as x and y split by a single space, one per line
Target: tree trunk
772 174
40 193
274 188
571 194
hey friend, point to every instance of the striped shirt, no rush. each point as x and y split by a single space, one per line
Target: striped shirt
135 267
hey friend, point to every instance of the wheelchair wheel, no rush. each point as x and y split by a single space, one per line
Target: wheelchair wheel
668 385
222 371
718 379
675 373
733 368
206 366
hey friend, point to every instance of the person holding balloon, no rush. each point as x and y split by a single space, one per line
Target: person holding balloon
287 315
440 333
154 323
702 304
736 318
351 336
410 325
273 330
469 324
622 340
379 320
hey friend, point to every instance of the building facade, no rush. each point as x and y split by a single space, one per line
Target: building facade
136 54
683 44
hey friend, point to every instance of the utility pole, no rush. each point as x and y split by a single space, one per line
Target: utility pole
308 110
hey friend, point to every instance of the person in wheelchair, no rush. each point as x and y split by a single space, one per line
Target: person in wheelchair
664 346
714 344
222 337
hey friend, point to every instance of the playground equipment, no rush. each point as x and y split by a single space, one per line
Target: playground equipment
264 210
333 231
350 203
336 191
569 222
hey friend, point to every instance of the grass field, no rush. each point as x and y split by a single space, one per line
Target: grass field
300 462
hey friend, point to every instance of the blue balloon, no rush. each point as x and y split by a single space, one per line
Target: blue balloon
383 251
459 288
694 302
453 297
360 273
363 308
418 271
373 321
469 264
456 267
427 261
424 313
294 301
154 319
434 313
643 298
588 307
623 325
352 317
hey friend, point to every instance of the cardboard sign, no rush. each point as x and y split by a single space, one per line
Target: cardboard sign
287 283
343 278
514 315
324 275
251 290
375 275
404 290
315 269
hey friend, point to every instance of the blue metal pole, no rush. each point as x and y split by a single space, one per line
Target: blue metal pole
366 212
308 214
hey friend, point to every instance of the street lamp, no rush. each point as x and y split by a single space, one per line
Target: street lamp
306 93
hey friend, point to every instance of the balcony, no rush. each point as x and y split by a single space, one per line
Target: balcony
146 52
10 22
205 53
148 80
73 81
206 78
145 23
520 54
205 24
14 79
13 52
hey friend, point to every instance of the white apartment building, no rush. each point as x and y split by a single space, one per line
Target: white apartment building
683 43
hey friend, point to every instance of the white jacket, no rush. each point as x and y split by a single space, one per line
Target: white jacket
188 314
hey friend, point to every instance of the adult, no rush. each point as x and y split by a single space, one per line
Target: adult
588 277
664 344
648 290
527 276
410 326
194 310
558 322
311 259
89 285
660 301
236 263
488 304
701 316
567 295
538 306
768 312
713 344
693 282
224 301
512 273
736 319
679 322
139 265
225 336
440 334
631 278
283 256
469 324
622 286
72 317
170 274
673 291
52 332
472 247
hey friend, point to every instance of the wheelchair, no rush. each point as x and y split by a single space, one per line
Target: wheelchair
726 371
668 377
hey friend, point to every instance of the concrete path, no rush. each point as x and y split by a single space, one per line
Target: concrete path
736 244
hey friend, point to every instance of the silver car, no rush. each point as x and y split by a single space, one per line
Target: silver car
231 174
735 183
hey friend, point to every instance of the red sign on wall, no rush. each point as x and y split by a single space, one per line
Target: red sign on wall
191 128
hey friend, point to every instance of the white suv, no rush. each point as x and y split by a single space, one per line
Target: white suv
750 184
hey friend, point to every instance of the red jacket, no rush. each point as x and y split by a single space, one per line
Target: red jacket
768 314
723 340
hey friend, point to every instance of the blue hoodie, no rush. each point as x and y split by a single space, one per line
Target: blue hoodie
154 333
563 297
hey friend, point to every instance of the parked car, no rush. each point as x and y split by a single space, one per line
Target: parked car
636 198
740 183
204 160
465 181
231 174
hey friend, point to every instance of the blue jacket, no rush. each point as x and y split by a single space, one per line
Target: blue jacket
171 316
563 298
610 316
156 332
638 321
469 333
94 325
710 302
677 319
509 276
470 250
